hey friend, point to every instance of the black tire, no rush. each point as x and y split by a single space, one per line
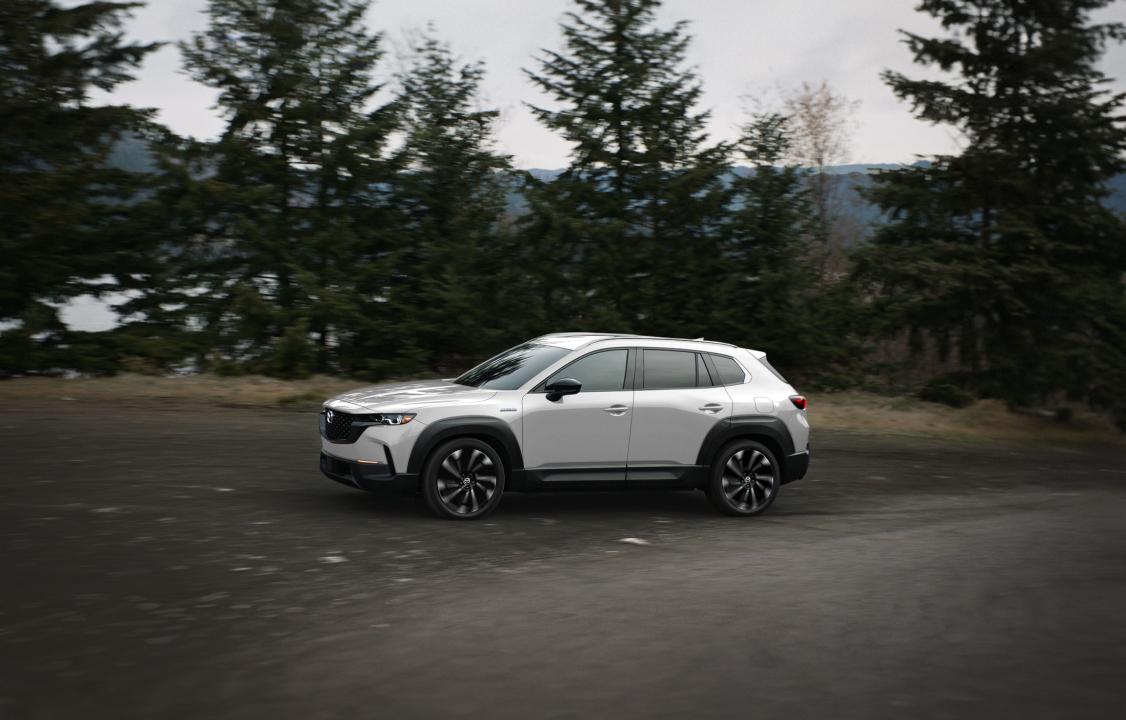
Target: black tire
745 478
463 479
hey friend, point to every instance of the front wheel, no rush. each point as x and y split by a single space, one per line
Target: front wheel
463 479
745 478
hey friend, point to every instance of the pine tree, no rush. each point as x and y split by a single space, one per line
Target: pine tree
633 221
1005 253
453 195
293 226
66 223
772 234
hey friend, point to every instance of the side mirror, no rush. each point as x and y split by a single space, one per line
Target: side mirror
563 386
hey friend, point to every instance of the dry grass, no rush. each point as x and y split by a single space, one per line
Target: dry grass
210 390
985 421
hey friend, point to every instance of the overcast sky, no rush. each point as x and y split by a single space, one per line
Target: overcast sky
741 48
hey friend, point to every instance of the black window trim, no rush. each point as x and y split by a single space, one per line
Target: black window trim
712 370
639 369
627 382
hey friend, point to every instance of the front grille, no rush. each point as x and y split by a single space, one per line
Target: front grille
339 426
346 427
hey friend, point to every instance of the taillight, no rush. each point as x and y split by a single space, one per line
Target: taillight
799 401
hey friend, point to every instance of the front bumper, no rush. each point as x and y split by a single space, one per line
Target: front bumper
389 443
795 467
366 476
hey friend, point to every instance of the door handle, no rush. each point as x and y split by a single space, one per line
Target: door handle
711 408
616 410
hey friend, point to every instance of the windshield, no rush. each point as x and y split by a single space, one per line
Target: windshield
513 367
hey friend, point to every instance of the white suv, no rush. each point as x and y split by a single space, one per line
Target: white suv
577 411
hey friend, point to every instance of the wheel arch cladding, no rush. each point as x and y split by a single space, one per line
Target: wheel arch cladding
766 429
491 430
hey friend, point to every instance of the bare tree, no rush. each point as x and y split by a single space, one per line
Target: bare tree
821 120
821 123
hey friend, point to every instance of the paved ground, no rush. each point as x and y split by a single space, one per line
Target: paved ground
188 564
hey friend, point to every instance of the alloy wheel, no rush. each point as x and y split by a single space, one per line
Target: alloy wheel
748 479
466 480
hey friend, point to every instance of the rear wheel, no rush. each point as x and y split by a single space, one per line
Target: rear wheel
745 478
463 479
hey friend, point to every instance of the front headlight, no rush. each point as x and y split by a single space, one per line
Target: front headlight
395 418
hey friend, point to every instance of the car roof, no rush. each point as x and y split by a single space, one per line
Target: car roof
577 340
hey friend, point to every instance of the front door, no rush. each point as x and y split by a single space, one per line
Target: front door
581 438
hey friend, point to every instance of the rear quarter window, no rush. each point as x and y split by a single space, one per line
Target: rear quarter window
730 372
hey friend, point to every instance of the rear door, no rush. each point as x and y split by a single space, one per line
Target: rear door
675 404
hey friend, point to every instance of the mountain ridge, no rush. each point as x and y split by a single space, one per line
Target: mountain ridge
132 154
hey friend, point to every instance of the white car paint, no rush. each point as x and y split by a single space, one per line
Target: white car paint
639 428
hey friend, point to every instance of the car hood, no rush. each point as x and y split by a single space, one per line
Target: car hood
397 397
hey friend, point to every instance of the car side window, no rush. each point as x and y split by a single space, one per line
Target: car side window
730 372
602 371
668 369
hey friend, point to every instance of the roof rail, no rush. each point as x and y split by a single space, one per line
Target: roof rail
605 335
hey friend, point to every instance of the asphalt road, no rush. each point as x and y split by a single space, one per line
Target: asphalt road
194 564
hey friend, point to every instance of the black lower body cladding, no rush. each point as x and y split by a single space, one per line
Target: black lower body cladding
366 476
795 466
